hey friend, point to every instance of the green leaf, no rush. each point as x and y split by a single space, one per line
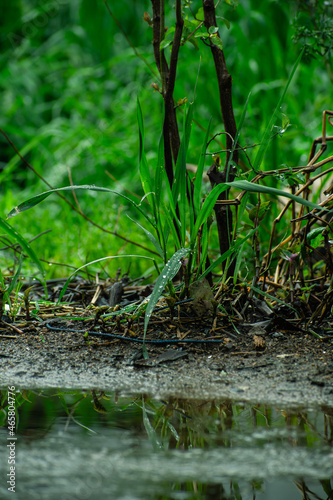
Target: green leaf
151 433
259 212
3 417
35 200
198 34
165 43
158 192
233 3
171 227
200 14
168 38
224 21
179 186
271 297
23 243
16 277
199 173
213 29
206 210
170 270
240 125
236 246
204 249
255 188
217 41
171 205
285 121
314 233
145 176
158 172
150 236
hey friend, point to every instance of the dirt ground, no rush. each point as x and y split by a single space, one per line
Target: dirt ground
259 364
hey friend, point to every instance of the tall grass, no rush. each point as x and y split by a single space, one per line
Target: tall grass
76 116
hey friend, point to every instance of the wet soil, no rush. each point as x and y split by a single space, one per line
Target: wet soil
262 365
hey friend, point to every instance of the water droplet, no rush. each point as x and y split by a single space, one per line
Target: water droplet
164 276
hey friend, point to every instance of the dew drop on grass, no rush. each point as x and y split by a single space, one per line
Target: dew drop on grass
164 276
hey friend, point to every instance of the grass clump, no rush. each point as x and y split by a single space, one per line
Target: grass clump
267 233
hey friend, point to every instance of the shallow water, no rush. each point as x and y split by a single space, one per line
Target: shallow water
78 445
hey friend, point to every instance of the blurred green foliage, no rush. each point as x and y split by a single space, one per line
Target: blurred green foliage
69 82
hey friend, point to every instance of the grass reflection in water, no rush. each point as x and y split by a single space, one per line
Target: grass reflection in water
78 443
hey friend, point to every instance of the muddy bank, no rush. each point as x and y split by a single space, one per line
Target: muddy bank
289 370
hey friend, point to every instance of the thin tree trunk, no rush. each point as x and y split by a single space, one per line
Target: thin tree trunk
168 76
223 213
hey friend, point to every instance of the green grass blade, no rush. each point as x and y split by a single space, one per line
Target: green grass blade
199 174
180 184
170 270
170 214
171 202
151 433
241 210
159 172
238 261
236 246
146 179
255 188
170 227
23 243
2 281
206 210
190 202
240 125
266 137
35 200
141 127
204 249
158 195
16 277
271 297
150 236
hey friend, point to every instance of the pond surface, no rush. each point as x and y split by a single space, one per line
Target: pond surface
79 445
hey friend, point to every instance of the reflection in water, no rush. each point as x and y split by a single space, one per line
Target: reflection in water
74 444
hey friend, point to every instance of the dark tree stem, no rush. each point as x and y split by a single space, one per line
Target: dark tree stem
223 214
224 82
168 77
169 102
